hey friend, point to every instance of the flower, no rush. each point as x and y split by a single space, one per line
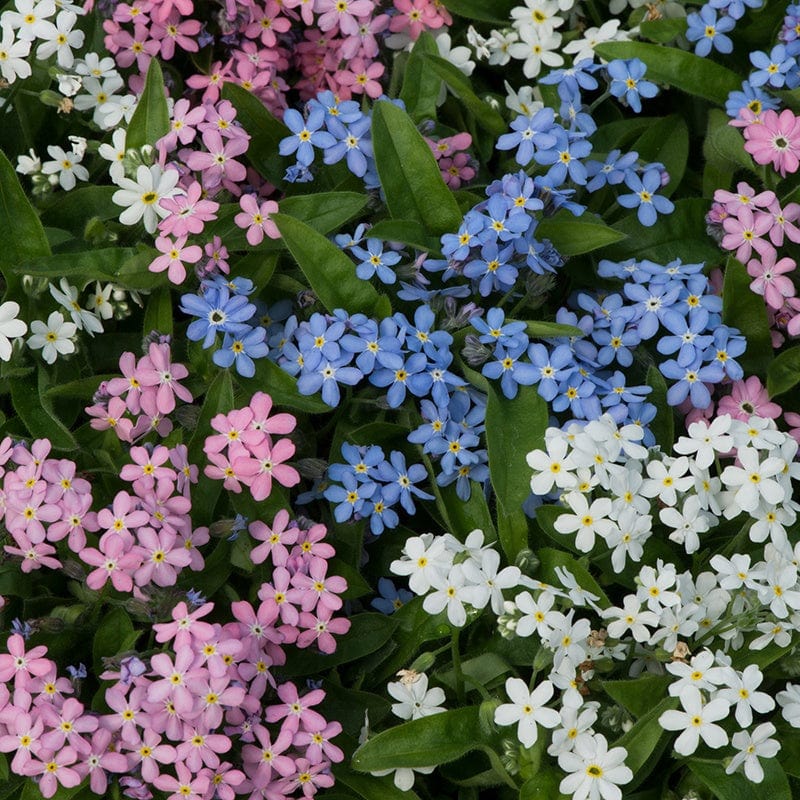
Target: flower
67 165
697 721
644 197
750 747
775 139
256 219
595 771
526 709
10 327
414 698
52 338
141 197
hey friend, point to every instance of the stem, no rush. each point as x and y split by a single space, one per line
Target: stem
603 97
459 675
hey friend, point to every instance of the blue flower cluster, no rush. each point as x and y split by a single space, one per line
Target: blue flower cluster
222 306
374 259
368 485
339 128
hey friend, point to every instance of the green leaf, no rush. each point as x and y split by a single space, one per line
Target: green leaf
324 211
638 695
784 372
745 310
330 273
643 739
424 742
620 133
114 635
723 145
686 71
458 83
663 426
371 787
543 786
72 210
546 516
17 214
409 174
368 633
662 30
150 121
35 408
158 314
551 558
265 132
775 785
347 706
406 231
81 388
572 237
282 387
497 12
513 429
681 234
547 330
482 670
667 142
420 84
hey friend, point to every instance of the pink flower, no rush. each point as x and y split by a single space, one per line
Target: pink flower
35 556
342 13
297 710
149 753
199 749
743 233
256 219
744 196
67 725
261 405
260 761
770 280
100 760
176 32
146 467
129 717
232 427
23 738
121 519
185 786
218 163
54 769
212 83
311 777
317 743
21 665
748 397
456 170
319 628
162 560
775 140
414 17
186 626
269 465
280 593
158 370
111 416
226 779
320 590
175 253
274 539
265 22
128 384
362 78
188 212
183 126
116 563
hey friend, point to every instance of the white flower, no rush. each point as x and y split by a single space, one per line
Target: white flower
750 747
772 632
594 770
451 593
477 43
488 583
424 558
83 319
414 698
523 101
536 48
30 164
675 623
96 92
527 709
586 521
686 524
568 640
632 531
403 776
13 54
780 591
742 693
734 573
574 721
553 467
92 64
625 487
706 440
60 39
52 338
114 110
789 701
666 478
141 197
655 586
758 432
30 18
697 721
115 153
459 57
584 48
537 615
79 145
66 165
537 14
98 300
699 672
498 44
630 617
69 85
10 328
754 479
576 593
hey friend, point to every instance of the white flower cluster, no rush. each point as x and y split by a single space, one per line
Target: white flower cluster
453 575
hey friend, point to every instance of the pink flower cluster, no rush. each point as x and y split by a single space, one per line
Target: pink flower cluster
456 167
147 390
177 717
754 225
243 451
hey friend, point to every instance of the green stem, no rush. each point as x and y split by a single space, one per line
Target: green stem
459 675
603 97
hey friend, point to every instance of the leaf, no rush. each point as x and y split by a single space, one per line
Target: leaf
150 120
282 387
667 142
745 310
114 635
463 516
368 632
543 786
17 214
663 426
35 409
72 210
158 314
82 388
662 30
497 12
347 706
371 787
460 85
643 739
513 429
775 785
420 84
265 132
686 71
424 742
620 133
408 172
324 211
681 234
551 558
723 145
330 273
546 516
638 695
548 330
572 237
406 231
482 670
783 372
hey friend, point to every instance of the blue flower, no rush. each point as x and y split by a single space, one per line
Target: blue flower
644 197
735 8
345 241
381 514
691 381
493 270
772 68
511 372
530 133
577 393
360 462
306 135
217 311
420 335
456 246
410 376
400 481
465 474
495 330
318 339
375 345
352 143
375 260
616 342
652 303
751 98
77 673
345 111
500 224
689 337
619 393
626 81
327 375
551 367
436 419
454 447
727 345
571 80
565 157
241 349
350 497
612 171
709 32
391 599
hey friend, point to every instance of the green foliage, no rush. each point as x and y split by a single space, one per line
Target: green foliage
420 84
572 237
150 120
663 426
35 409
115 634
775 785
783 372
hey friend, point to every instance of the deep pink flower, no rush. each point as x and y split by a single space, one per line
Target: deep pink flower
260 760
174 32
183 127
175 253
158 370
362 78
310 778
775 140
256 219
748 397
161 558
188 212
218 163
186 626
22 738
744 196
116 562
319 628
269 467
320 589
743 233
317 743
111 416
21 665
128 384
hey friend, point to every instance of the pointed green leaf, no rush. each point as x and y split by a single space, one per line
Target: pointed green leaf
330 273
408 172
114 634
371 787
666 142
420 84
158 313
282 387
572 237
540 329
775 785
645 739
663 426
686 71
662 30
408 232
324 211
150 121
784 372
17 214
638 695
496 12
546 516
35 409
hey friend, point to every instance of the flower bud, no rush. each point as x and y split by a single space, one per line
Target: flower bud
423 662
